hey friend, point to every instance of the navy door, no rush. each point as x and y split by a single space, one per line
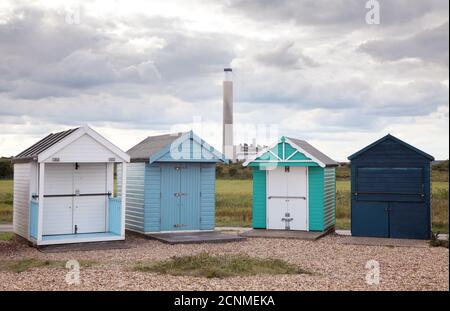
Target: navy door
370 219
180 197
389 202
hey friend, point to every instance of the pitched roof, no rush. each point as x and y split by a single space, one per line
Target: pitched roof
389 136
314 152
151 145
32 152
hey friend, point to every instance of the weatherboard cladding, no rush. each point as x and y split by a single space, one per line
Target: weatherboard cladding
33 152
321 182
389 177
148 184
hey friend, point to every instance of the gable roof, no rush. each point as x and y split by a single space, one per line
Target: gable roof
303 147
387 137
314 152
31 153
154 147
52 143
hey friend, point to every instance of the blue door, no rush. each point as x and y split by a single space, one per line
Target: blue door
370 219
180 197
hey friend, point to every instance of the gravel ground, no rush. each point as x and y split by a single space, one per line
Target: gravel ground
333 266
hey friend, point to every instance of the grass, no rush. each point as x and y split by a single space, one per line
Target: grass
220 266
6 236
23 265
234 204
6 200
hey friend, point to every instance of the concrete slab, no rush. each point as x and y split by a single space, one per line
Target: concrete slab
284 234
75 247
6 228
353 240
195 237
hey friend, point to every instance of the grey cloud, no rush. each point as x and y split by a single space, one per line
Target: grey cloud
333 13
429 45
286 57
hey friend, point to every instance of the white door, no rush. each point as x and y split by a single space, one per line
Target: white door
90 205
287 198
297 205
57 204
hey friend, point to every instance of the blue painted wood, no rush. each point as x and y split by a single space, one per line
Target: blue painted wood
190 198
370 219
152 198
189 148
170 203
34 218
394 173
115 215
208 196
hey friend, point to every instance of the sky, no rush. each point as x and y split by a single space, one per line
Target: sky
309 69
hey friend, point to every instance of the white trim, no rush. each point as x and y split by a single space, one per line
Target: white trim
293 154
80 240
41 200
253 158
77 134
304 152
275 155
123 195
276 161
177 231
286 140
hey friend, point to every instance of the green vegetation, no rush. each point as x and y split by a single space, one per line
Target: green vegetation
234 204
6 236
220 266
233 171
6 168
6 200
22 265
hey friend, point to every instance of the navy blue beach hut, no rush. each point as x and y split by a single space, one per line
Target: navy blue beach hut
171 184
391 190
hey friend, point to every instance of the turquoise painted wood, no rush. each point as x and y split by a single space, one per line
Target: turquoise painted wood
115 215
316 192
259 199
34 218
321 186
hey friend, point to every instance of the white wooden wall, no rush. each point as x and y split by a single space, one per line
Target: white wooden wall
22 174
84 149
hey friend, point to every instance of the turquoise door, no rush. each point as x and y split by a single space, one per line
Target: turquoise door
180 197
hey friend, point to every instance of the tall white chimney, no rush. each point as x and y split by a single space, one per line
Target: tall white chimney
228 146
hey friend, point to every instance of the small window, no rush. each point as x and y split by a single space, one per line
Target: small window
287 169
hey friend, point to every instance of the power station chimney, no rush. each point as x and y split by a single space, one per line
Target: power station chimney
228 145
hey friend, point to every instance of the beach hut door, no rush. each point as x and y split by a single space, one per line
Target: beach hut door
287 198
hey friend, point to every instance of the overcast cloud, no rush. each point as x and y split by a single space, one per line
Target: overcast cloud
313 68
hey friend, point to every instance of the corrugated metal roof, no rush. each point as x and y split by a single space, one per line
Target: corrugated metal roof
314 152
151 145
33 152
